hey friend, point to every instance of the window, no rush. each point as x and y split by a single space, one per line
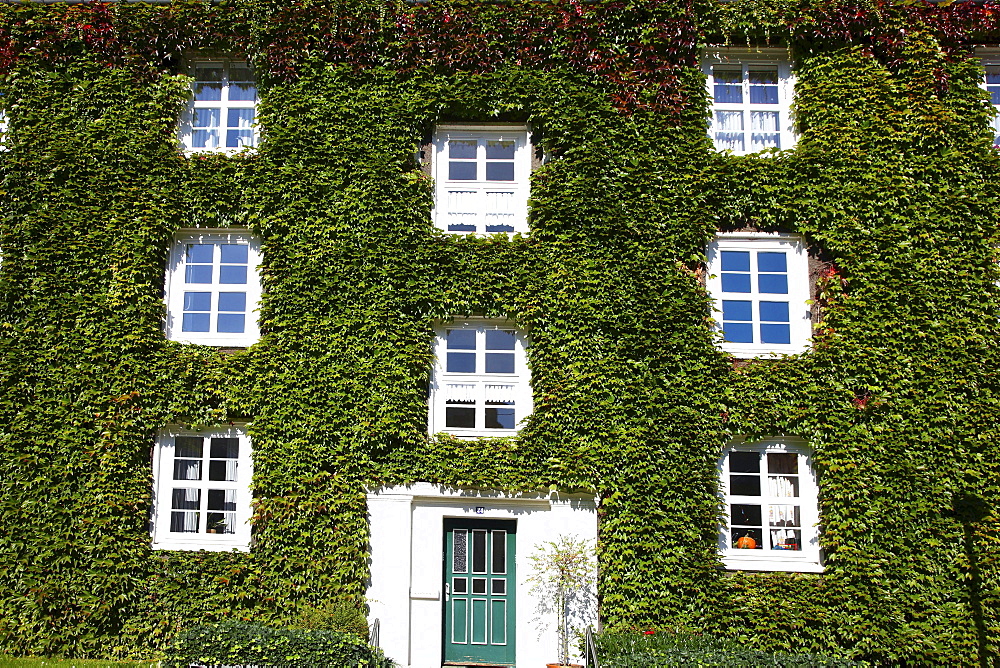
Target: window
223 107
481 381
201 493
212 288
751 95
993 87
761 285
481 179
771 505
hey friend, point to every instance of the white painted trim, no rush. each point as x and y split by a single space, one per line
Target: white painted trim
185 129
407 537
808 560
798 297
521 378
744 57
174 288
519 186
162 538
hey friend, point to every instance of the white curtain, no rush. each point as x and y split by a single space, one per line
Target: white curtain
460 393
500 394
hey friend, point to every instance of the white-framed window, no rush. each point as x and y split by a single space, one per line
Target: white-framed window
481 176
760 283
481 383
992 72
222 113
772 508
201 490
212 288
751 95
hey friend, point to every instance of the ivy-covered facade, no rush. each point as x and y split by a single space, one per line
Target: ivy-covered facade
891 186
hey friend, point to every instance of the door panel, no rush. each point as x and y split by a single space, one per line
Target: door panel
479 590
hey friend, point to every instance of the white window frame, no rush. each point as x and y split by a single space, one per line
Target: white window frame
747 59
163 484
186 127
990 58
174 289
520 379
480 189
806 560
798 296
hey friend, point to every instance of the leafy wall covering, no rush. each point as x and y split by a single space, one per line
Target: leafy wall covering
894 180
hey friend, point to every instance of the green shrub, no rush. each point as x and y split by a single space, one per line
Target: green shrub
335 616
238 643
653 650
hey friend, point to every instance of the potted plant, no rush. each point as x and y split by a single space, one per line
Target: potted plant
564 579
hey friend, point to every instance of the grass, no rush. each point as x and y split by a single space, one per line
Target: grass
36 662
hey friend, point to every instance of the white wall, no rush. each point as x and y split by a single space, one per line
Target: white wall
407 538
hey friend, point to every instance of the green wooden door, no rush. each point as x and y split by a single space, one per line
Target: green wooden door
479 588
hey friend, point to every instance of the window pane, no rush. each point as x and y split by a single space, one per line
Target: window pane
198 273
503 227
500 339
462 149
181 522
205 139
462 171
499 587
206 72
772 262
774 311
772 284
728 85
479 553
745 514
499 171
499 150
736 282
460 560
463 227
500 418
185 498
729 121
786 539
195 322
234 253
222 499
222 469
783 462
221 523
755 536
191 447
783 516
231 323
764 122
461 339
764 86
778 334
459 585
499 552
783 486
993 75
737 310
197 301
207 117
736 260
187 469
199 253
737 332
461 363
233 301
744 485
242 92
499 362
233 274
759 141
744 462
478 584
460 417
240 118
225 448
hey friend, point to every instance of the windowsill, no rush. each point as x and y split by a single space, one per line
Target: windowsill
217 342
770 563
206 545
480 433
248 151
751 352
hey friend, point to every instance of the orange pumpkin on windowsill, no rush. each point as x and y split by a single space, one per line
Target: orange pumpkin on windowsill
746 543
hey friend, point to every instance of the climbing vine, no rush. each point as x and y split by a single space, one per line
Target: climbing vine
893 182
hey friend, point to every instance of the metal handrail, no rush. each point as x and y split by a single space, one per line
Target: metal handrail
373 633
590 649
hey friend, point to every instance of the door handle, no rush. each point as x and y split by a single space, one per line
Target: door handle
447 592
